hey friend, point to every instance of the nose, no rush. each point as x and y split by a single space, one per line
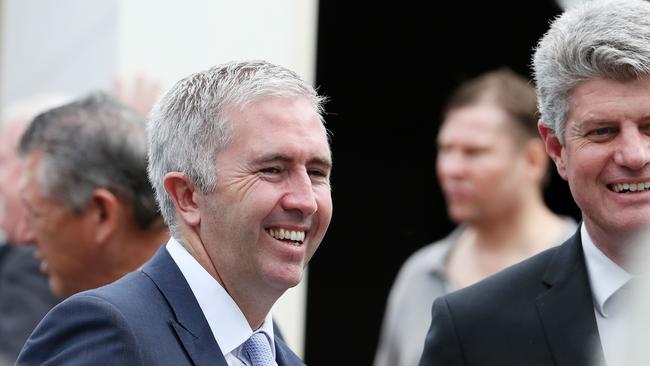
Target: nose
300 195
450 164
633 150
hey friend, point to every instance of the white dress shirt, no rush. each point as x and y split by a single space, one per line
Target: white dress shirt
227 323
606 278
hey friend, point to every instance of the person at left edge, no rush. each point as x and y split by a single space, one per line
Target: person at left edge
240 161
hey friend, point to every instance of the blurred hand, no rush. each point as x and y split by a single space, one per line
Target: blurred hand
139 92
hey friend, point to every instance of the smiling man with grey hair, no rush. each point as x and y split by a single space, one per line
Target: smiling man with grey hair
240 161
562 307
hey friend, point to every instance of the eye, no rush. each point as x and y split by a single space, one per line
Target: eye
317 173
270 170
443 149
602 131
475 151
645 128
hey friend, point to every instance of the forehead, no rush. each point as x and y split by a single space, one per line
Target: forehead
607 100
282 123
29 182
479 124
32 191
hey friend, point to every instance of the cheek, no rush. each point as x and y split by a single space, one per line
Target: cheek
325 207
50 234
491 175
582 166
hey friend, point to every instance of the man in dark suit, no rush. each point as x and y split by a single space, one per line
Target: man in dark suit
24 293
562 307
240 161
92 211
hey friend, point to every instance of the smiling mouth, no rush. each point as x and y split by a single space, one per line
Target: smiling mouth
293 237
629 187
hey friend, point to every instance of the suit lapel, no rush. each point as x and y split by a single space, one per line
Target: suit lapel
567 310
189 324
284 356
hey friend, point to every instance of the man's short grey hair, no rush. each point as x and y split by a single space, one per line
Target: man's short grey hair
599 39
91 143
190 123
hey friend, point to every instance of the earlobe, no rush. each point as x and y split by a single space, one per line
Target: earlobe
181 190
553 147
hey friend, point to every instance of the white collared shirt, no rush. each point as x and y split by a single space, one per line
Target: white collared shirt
606 277
227 323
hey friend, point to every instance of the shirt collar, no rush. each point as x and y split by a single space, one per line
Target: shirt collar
439 256
227 323
605 276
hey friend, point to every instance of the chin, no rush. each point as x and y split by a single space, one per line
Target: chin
285 279
57 289
627 227
461 214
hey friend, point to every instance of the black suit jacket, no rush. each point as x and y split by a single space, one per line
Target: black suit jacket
537 312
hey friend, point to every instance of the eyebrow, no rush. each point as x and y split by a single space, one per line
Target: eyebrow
286 159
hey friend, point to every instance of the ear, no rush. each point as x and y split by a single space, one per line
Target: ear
183 193
105 211
553 148
537 159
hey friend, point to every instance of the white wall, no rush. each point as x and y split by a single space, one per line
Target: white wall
56 47
74 46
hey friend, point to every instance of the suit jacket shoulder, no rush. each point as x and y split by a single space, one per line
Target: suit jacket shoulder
149 317
537 312
137 320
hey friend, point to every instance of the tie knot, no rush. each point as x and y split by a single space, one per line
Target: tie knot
258 350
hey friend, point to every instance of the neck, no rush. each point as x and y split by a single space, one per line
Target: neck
255 302
526 228
628 249
487 247
255 308
136 247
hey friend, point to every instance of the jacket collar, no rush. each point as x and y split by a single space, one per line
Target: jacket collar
566 308
189 324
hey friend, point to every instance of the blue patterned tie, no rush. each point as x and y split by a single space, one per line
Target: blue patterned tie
258 350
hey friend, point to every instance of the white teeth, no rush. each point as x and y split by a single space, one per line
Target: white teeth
631 187
293 235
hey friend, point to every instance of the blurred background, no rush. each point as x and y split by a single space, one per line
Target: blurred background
387 68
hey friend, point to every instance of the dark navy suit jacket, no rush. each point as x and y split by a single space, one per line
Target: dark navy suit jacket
25 298
537 312
149 317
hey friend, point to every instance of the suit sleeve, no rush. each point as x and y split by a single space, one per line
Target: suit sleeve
83 330
441 346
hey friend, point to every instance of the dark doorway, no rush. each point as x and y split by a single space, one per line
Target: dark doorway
388 67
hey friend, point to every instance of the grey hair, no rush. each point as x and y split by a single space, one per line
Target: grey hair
90 143
189 125
599 39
